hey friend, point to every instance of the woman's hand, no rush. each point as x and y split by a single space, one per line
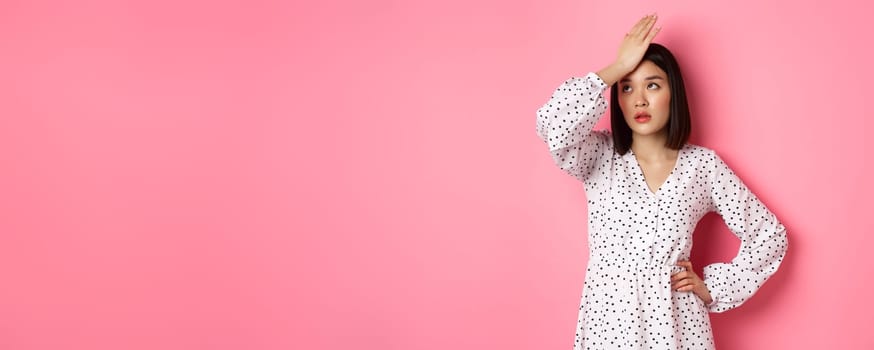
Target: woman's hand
636 42
631 50
688 281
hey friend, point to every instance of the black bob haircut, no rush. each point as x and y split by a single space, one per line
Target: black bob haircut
679 122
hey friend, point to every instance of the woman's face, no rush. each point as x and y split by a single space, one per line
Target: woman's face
645 97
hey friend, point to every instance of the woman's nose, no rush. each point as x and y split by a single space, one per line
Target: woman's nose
639 98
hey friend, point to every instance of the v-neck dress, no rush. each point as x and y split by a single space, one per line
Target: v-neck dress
636 236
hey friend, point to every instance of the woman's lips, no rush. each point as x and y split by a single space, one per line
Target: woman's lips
642 118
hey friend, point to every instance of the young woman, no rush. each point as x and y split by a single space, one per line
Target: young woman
647 188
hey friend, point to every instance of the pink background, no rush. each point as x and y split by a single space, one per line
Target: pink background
275 175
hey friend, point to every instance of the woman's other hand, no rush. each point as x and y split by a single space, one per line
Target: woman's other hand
688 281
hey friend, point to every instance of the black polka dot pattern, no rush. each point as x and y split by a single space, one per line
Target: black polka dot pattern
637 236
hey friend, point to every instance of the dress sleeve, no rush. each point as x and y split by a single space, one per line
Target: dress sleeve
763 240
565 124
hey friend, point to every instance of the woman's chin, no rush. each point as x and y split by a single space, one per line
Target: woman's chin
647 132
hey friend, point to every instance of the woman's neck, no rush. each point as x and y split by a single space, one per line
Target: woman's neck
652 147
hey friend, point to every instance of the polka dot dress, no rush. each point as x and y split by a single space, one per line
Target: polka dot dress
636 236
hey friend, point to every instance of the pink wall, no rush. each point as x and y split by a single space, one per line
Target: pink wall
266 175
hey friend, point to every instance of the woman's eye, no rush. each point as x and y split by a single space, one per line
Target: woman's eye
626 88
652 86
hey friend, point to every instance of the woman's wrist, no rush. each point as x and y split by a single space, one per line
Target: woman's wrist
705 296
612 73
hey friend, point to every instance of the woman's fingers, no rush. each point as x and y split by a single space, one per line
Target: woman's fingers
688 281
633 47
643 27
685 284
647 28
682 282
682 278
685 280
652 34
635 30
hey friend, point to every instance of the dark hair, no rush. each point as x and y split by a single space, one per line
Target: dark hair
679 123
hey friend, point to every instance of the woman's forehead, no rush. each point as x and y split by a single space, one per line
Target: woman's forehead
645 70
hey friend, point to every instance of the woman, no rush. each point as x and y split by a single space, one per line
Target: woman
647 188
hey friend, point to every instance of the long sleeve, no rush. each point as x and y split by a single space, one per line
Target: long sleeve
763 240
565 124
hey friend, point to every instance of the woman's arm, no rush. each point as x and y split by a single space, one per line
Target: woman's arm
763 240
565 122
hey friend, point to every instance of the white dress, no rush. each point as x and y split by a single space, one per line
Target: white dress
636 236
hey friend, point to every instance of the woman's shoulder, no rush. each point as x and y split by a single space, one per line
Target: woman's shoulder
703 158
699 151
706 159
